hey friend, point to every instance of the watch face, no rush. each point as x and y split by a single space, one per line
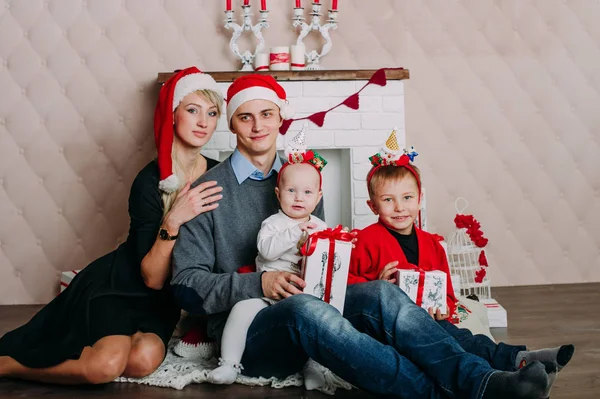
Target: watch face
163 234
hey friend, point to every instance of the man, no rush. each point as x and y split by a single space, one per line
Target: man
382 328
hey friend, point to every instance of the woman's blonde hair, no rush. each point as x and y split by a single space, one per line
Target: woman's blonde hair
168 199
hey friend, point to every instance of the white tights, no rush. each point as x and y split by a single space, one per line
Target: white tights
234 342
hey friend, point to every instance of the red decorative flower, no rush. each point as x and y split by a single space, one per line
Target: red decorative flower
476 235
479 275
481 242
460 222
482 259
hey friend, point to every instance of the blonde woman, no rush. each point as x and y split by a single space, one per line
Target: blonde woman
118 314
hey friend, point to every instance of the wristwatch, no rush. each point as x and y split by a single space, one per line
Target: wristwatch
163 234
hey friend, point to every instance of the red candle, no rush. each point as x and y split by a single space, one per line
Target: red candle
263 5
228 5
334 5
316 1
246 2
298 4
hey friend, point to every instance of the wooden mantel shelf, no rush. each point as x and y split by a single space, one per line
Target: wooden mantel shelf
342 74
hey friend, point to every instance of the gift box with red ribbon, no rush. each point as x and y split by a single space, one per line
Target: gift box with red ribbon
66 278
426 289
326 264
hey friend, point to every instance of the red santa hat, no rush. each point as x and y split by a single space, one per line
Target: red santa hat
182 83
257 87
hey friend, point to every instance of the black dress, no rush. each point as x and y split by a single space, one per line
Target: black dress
108 297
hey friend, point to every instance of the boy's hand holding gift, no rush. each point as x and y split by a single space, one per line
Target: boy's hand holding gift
437 315
389 271
426 288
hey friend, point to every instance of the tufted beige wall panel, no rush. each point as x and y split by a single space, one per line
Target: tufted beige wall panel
502 104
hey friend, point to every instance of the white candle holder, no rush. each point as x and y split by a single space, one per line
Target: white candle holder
247 57
314 56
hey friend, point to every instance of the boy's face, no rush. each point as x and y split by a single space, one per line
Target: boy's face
397 204
256 124
298 191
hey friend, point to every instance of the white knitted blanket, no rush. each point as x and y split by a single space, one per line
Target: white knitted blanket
177 372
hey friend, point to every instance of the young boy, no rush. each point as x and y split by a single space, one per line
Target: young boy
279 239
394 242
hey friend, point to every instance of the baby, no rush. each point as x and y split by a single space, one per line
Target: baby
279 239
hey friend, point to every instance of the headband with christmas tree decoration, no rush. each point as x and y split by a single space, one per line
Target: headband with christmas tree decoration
391 155
296 152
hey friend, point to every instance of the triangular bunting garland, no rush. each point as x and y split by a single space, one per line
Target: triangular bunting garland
352 102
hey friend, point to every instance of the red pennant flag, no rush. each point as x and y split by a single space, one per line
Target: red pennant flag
318 118
352 101
285 126
378 77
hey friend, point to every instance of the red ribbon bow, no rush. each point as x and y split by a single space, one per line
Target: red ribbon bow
332 235
421 285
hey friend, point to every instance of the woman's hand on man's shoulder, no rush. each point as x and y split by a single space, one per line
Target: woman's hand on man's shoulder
191 202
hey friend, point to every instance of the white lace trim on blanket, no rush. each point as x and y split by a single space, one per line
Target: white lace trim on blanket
177 372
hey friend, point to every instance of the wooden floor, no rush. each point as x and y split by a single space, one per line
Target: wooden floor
541 316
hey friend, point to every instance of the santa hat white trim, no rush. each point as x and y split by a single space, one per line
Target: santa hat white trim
191 83
258 93
170 184
200 350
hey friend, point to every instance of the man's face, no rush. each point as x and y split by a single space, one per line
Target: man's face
256 124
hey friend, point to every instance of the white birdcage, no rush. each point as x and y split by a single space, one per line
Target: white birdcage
463 259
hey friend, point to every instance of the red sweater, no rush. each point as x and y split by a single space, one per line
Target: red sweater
376 247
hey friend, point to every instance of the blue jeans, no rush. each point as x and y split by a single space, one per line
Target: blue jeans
384 344
500 356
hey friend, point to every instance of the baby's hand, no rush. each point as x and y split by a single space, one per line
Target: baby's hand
354 233
306 226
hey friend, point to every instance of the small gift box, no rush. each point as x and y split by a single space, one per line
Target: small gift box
66 278
496 313
426 289
326 264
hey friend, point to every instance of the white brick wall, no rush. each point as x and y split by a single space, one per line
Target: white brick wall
362 131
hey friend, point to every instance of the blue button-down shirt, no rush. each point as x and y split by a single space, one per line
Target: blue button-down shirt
244 169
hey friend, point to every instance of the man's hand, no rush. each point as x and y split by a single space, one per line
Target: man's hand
437 315
388 273
281 285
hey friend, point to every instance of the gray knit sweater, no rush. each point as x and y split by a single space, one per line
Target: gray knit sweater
212 246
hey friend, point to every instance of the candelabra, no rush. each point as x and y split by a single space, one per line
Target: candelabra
247 57
314 56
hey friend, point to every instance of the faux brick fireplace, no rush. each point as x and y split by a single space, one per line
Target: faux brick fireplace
347 138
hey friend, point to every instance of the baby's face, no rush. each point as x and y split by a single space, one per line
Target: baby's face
298 191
